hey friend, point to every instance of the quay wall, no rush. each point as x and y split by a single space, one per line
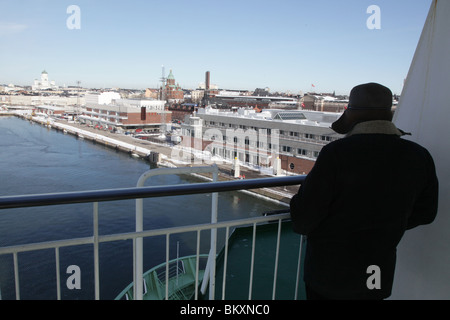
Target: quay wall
91 136
281 195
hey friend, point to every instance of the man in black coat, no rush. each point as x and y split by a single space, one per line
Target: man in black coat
364 191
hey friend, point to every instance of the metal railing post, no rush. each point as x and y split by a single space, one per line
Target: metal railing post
96 254
213 247
197 265
16 275
252 263
139 250
225 262
139 253
277 254
58 276
299 265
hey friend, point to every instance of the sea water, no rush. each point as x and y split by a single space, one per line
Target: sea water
35 159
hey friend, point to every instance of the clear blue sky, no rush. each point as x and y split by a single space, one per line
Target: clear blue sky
246 44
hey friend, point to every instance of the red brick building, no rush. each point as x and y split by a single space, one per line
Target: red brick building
127 115
173 91
179 111
296 165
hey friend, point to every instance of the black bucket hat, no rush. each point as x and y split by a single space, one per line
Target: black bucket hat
367 102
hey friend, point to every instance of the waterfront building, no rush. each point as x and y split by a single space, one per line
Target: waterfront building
151 93
197 95
330 102
30 100
56 111
44 83
259 139
102 98
323 103
180 111
229 101
108 110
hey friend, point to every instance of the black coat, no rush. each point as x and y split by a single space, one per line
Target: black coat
363 192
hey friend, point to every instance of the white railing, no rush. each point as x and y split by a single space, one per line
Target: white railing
143 192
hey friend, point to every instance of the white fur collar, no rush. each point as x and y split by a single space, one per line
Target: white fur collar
376 127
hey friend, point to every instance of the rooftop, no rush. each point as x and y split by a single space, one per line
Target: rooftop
170 76
304 117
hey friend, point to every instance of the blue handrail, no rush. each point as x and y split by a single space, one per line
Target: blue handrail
34 200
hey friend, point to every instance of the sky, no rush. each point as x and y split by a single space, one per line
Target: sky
283 45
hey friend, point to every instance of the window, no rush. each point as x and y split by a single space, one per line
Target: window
289 116
301 152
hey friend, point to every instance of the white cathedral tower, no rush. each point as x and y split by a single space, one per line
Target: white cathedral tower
44 83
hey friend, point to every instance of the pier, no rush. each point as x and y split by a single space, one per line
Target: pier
160 154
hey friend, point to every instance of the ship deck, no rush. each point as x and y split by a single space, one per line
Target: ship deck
238 264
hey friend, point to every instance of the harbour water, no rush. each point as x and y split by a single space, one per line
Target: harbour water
35 159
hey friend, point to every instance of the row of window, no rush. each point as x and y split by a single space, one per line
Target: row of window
300 152
286 149
294 134
262 145
106 119
256 158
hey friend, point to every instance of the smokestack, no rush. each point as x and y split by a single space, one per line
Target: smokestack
207 80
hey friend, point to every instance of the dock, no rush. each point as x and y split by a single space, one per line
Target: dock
160 154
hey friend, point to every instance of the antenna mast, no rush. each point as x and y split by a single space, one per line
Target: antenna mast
77 109
163 97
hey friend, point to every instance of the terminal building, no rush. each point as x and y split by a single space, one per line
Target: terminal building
259 139
107 110
224 101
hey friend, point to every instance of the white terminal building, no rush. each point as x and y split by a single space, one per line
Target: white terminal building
108 110
294 137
